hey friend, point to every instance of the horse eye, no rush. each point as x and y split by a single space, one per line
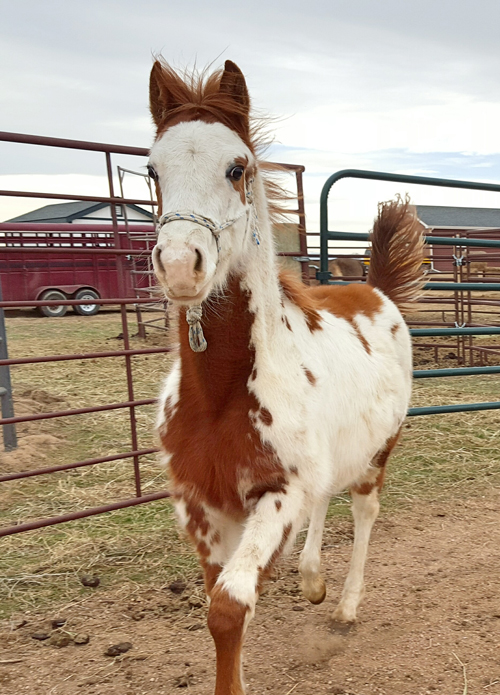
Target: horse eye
235 173
152 173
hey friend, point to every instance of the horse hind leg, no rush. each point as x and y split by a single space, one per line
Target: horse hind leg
365 509
313 585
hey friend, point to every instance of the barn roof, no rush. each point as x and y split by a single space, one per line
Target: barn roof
443 216
68 212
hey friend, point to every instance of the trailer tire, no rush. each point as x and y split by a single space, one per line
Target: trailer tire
53 311
87 309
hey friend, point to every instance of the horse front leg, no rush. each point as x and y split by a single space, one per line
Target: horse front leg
270 528
214 535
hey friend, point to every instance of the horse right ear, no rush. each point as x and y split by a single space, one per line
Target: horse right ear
161 97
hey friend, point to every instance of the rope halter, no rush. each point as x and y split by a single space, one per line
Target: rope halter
197 340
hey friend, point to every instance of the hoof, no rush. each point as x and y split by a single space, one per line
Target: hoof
343 614
314 593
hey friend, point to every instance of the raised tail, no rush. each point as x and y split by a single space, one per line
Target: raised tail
397 252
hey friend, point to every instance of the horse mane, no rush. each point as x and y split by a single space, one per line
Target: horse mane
196 94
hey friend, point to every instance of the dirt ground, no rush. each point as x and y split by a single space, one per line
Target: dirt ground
430 622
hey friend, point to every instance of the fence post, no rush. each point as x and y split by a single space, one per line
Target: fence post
9 431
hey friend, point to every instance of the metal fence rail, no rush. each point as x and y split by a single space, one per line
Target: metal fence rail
118 244
131 404
323 275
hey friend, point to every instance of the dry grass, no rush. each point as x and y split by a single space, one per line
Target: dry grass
439 457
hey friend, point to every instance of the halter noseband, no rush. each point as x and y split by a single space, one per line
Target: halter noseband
197 340
203 221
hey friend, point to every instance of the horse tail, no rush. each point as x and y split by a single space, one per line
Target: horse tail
397 252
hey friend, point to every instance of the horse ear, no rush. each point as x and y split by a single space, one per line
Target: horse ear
233 83
161 99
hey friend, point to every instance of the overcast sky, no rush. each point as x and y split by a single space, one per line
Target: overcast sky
393 85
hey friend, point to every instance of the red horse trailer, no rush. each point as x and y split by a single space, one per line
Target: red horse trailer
88 264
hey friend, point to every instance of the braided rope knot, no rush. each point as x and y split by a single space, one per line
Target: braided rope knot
197 340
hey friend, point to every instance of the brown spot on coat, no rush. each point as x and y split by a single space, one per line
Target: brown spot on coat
294 470
379 462
203 549
362 339
310 376
298 294
211 574
197 519
286 534
278 504
395 328
287 323
265 417
275 486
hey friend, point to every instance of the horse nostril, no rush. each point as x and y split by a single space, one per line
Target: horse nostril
157 257
199 261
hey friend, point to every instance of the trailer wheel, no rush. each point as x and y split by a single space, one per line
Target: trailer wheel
53 311
87 309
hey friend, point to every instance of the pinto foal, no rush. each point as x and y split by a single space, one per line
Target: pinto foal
282 396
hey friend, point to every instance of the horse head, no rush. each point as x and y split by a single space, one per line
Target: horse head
203 164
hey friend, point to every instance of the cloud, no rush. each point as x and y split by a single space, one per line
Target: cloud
387 85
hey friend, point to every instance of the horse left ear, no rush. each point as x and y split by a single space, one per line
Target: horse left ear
233 83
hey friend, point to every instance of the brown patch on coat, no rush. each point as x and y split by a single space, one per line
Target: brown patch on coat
347 301
298 294
221 97
197 519
278 504
362 339
379 462
211 438
310 376
394 329
253 375
294 470
203 550
274 557
265 417
159 208
279 485
211 574
287 323
242 186
226 620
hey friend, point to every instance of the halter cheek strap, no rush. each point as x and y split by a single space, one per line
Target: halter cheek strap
197 340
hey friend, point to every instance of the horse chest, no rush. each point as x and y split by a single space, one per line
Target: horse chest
219 459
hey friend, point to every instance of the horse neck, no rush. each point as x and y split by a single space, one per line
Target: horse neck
245 319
